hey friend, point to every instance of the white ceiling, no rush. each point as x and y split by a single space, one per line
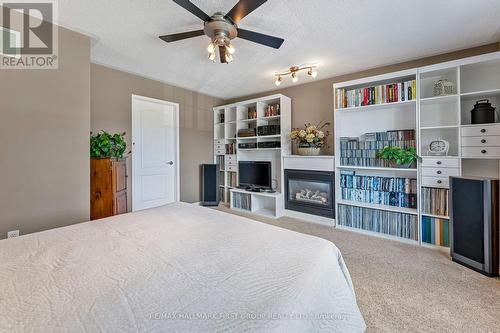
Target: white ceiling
341 36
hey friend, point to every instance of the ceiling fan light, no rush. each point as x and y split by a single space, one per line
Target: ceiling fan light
211 48
230 49
278 81
211 56
229 58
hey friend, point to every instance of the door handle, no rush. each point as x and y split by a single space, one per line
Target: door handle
170 163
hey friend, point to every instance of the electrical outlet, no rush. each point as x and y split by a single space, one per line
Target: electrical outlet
13 233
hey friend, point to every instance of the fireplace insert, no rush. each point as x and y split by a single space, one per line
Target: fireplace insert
310 192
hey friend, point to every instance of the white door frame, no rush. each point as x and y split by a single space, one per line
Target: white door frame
136 139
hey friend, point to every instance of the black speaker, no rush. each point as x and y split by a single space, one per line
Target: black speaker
209 185
474 215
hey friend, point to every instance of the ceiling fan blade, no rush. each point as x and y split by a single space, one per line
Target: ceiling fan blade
243 8
259 38
190 7
222 53
182 35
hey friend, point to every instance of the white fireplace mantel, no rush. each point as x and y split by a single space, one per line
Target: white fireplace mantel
311 163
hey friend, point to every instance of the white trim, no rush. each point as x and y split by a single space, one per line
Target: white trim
370 79
177 163
310 218
460 62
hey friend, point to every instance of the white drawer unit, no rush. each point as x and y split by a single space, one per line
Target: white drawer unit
481 152
231 157
440 172
440 162
219 141
232 168
435 181
232 163
481 130
220 147
481 141
220 152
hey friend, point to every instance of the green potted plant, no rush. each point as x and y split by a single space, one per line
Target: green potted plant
399 157
105 145
310 139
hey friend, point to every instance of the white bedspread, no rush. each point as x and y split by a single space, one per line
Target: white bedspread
178 268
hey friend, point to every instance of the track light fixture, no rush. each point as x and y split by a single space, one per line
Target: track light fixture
293 71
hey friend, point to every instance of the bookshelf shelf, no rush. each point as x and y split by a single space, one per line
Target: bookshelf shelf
353 167
483 93
438 127
439 99
436 216
379 207
377 106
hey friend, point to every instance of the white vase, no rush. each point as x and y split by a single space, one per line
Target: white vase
308 151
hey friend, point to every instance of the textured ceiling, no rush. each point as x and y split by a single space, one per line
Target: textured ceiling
341 36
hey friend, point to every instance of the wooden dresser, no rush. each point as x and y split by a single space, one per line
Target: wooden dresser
108 188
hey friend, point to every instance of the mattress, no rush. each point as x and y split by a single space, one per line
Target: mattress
179 268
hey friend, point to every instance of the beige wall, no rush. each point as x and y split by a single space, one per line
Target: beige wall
44 146
111 110
313 102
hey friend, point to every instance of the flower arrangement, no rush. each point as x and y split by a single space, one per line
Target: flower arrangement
311 136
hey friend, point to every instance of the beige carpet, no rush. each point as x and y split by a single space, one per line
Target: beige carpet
405 288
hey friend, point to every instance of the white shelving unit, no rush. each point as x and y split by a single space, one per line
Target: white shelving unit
236 117
474 149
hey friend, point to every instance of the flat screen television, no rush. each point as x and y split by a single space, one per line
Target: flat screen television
255 174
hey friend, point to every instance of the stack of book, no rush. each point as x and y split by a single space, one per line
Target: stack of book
399 192
232 179
231 148
435 201
363 151
221 162
435 231
242 201
381 94
389 223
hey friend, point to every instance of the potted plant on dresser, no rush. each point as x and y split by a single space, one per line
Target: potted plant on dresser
310 139
108 175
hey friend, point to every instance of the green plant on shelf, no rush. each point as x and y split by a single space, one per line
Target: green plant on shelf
399 157
104 145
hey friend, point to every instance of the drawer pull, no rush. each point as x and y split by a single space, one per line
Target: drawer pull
439 181
483 151
439 162
483 130
439 172
483 141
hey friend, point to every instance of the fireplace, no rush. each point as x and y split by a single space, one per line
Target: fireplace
310 192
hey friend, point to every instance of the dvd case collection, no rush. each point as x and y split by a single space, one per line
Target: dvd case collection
385 222
435 201
362 151
390 191
435 231
221 162
232 179
242 201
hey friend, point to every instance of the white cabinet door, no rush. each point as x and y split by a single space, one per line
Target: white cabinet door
154 153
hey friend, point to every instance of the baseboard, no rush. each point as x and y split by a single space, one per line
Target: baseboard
310 218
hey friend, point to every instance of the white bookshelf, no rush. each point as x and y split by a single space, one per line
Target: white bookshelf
236 118
433 117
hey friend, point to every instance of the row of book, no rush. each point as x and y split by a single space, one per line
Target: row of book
435 231
376 183
380 94
242 201
385 222
232 179
221 162
396 199
356 144
221 177
231 148
435 201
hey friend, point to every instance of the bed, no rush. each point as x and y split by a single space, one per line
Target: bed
180 268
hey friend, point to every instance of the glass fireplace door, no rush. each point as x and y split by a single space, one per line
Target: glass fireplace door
310 192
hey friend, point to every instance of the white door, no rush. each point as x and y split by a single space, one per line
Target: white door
155 152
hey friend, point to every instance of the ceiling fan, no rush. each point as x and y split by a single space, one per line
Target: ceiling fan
222 28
